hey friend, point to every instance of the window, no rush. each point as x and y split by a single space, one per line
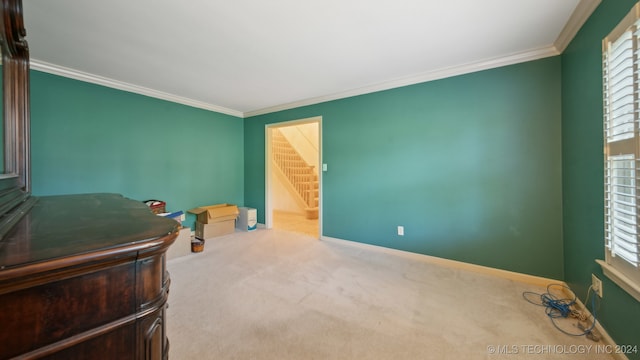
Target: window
621 88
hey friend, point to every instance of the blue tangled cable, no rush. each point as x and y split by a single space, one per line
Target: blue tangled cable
560 307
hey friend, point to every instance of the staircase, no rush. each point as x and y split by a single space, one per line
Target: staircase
300 175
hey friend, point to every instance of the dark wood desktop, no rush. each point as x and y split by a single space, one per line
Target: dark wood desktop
84 277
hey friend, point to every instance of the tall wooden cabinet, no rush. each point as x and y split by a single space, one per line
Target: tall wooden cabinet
81 276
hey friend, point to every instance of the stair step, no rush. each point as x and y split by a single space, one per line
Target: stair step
314 186
296 164
311 213
299 172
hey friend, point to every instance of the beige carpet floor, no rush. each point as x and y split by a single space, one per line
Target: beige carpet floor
272 294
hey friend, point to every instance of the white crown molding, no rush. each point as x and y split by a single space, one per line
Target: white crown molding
579 16
420 78
99 80
412 80
583 10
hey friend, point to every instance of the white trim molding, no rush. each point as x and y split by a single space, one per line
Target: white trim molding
120 85
579 16
620 279
269 167
604 336
417 79
515 276
583 10
511 59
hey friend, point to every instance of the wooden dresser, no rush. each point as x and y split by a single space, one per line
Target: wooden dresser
83 277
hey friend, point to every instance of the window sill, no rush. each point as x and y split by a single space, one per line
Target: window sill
620 279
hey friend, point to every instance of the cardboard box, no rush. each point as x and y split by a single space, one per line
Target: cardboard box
182 245
248 219
215 213
210 230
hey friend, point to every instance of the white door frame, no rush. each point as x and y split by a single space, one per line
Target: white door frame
268 168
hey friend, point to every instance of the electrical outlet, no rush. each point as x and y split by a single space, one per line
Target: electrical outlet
596 285
401 230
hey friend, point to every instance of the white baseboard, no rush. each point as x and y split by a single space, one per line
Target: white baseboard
525 278
604 336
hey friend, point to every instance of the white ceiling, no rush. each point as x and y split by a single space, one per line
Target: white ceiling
246 57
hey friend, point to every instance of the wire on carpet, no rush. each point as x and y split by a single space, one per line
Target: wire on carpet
561 307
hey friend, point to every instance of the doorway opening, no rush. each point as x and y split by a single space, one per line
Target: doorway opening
293 176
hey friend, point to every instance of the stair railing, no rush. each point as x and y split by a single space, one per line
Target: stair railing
300 174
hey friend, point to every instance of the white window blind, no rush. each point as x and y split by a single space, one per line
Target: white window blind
621 226
621 87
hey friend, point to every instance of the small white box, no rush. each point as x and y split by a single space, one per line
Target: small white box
182 245
248 219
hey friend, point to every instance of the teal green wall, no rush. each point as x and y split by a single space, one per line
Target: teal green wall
501 168
583 171
469 165
89 138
